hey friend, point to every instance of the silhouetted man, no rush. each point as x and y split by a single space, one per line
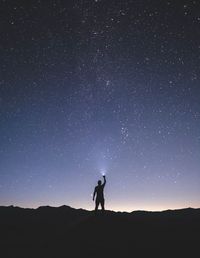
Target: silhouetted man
98 192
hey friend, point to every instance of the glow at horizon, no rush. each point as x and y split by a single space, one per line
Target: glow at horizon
93 88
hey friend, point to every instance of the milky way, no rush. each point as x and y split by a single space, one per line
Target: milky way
88 87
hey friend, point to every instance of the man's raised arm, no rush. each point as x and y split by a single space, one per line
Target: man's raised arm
104 180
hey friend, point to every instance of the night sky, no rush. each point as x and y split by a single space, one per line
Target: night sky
88 87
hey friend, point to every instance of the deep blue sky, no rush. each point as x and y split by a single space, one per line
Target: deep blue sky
91 86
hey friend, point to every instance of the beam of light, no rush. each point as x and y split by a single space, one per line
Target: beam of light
103 171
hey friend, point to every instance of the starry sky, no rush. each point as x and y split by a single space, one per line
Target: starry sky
94 86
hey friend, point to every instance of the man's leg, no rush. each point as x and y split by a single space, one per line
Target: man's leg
102 205
96 205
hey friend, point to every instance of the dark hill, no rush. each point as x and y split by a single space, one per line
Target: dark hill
67 232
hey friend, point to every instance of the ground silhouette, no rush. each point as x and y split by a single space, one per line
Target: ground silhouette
67 232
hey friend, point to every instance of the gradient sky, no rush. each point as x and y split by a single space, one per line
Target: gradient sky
92 86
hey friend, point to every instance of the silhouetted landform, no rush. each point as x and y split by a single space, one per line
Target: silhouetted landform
68 232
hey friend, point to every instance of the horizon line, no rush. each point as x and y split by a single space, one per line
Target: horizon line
141 210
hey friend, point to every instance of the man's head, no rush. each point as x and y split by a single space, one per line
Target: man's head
99 182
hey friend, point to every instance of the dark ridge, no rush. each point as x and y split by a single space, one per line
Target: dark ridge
67 232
